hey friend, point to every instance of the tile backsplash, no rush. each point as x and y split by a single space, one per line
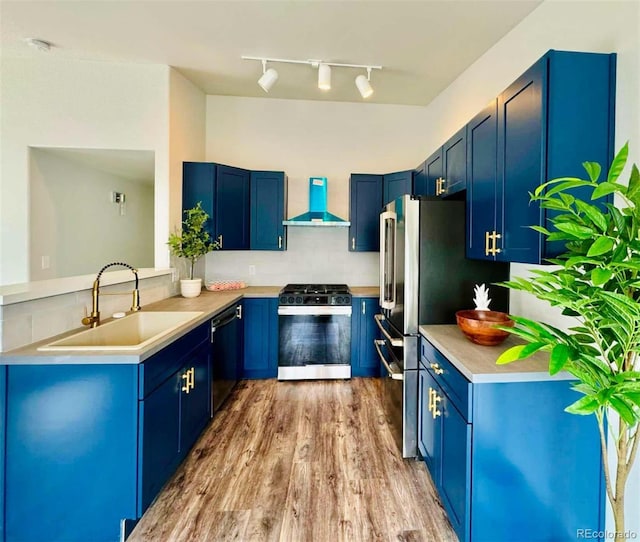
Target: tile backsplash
31 321
314 255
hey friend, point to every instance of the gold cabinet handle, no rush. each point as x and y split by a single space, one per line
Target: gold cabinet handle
364 308
437 369
185 386
493 237
438 186
220 240
486 243
431 392
189 377
353 243
279 241
239 312
435 411
442 188
496 236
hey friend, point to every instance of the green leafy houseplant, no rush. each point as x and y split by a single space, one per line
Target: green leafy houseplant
598 284
194 241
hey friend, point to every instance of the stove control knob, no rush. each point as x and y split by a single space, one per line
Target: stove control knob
338 300
299 300
283 299
347 300
290 299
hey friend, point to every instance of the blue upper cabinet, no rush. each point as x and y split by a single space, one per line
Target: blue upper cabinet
232 208
396 184
268 197
224 193
454 155
434 170
199 185
545 129
482 142
365 204
420 180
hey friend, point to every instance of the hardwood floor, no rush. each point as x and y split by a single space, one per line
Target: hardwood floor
298 462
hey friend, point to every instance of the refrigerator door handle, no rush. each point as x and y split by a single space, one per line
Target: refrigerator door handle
397 341
387 295
394 374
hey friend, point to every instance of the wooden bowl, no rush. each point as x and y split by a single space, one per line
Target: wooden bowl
478 326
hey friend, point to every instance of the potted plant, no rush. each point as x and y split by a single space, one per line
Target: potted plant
598 284
193 243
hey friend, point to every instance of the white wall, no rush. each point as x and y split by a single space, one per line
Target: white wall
305 139
77 226
52 102
598 26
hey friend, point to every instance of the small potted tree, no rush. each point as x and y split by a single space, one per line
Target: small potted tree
193 243
598 283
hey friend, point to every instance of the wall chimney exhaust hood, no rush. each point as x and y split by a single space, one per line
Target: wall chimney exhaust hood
317 215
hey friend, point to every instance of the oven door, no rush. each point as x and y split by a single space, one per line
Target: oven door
314 342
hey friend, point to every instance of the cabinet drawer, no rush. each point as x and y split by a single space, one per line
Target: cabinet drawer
155 370
457 387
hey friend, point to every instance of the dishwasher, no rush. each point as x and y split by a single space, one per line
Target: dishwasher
226 354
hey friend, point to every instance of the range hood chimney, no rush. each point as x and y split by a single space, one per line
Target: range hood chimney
317 215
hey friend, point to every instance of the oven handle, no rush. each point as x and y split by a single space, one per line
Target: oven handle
315 310
395 375
394 341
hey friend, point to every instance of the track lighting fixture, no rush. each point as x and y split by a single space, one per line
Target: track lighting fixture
270 76
363 84
324 77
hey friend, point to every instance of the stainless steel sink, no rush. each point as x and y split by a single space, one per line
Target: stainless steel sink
129 333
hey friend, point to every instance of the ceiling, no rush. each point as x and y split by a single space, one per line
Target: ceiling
422 45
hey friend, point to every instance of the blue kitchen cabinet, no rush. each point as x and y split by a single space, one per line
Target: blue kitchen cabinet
365 205
260 338
454 156
364 331
482 171
420 185
224 193
396 184
429 437
268 209
506 458
90 445
434 170
545 130
71 452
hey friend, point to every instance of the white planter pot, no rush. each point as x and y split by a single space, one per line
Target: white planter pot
190 287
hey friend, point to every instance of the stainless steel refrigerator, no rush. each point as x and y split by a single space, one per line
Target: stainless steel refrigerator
424 279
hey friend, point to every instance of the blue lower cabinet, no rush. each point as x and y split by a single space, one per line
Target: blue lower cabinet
260 338
71 452
364 331
508 462
84 450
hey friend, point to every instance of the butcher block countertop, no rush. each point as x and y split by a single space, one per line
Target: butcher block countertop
478 363
364 291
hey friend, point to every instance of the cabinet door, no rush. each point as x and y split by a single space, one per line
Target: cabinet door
268 193
434 170
429 430
454 153
482 165
159 444
365 205
260 338
232 208
195 397
364 358
199 185
395 185
455 465
420 180
521 156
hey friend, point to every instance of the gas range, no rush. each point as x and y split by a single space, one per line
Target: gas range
315 294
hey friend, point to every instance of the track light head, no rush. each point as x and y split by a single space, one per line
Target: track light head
364 87
268 78
324 77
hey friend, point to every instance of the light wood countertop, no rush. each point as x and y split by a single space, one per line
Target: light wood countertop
365 291
478 363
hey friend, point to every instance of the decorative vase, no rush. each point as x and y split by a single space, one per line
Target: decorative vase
190 287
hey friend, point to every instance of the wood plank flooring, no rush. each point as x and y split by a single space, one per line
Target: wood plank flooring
298 462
